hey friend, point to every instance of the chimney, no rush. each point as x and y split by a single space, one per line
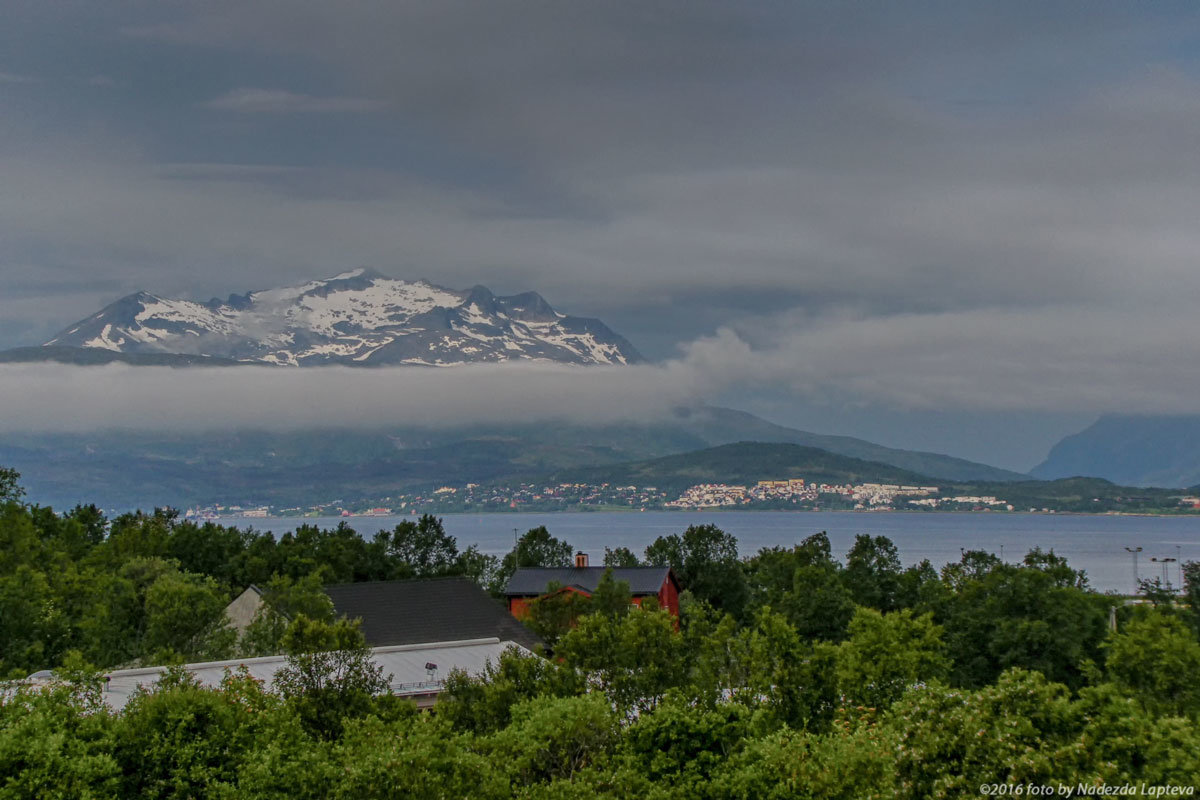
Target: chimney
581 560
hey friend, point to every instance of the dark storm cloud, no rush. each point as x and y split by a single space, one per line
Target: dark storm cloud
978 206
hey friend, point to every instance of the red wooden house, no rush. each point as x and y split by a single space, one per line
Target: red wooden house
530 583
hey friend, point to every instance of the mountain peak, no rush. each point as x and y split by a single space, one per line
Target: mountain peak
358 317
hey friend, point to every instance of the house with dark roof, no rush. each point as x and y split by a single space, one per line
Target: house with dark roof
411 612
529 583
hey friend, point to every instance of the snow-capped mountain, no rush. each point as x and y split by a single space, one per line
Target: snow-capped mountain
358 317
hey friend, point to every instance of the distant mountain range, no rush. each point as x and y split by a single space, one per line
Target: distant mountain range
132 469
1130 450
358 318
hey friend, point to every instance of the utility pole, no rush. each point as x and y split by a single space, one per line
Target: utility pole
1136 577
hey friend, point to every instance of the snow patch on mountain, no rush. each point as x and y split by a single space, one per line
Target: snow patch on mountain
359 317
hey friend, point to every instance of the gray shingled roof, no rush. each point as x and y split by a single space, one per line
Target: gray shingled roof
534 581
432 610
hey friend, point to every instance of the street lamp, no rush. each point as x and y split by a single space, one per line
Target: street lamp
1165 563
1136 577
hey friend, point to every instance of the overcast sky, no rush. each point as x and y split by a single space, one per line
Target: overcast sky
968 227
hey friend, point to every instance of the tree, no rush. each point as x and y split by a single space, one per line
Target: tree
683 746
536 548
951 741
482 568
612 597
873 572
283 600
973 566
180 740
886 654
1157 659
207 549
634 659
556 612
771 572
1191 593
418 758
33 630
11 490
1012 616
330 675
57 741
620 557
819 605
793 679
483 704
556 737
422 548
185 619
1055 566
705 561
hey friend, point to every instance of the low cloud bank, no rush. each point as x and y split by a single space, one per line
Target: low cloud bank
1045 360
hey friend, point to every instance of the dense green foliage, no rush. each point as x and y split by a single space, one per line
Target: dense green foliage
823 680
150 588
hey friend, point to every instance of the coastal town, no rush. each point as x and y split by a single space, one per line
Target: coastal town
793 493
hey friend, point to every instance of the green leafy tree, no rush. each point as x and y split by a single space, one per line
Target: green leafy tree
1012 616
705 561
11 490
139 535
419 757
1191 593
536 548
851 761
20 544
1055 566
283 600
185 619
180 740
482 568
951 741
819 605
58 742
683 746
330 676
555 737
483 704
1157 659
93 521
886 654
873 572
771 571
33 629
556 612
612 597
207 549
421 549
620 557
793 681
634 659
921 587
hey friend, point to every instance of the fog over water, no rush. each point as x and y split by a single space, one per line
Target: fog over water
1095 544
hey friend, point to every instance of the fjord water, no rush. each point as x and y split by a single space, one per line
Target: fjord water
1092 543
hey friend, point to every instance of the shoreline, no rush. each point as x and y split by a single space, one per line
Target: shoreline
707 510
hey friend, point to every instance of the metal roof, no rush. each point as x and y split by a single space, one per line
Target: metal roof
438 609
405 663
535 581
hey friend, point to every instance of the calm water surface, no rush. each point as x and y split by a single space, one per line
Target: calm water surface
1093 543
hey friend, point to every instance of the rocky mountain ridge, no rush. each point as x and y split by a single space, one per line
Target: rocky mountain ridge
360 317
